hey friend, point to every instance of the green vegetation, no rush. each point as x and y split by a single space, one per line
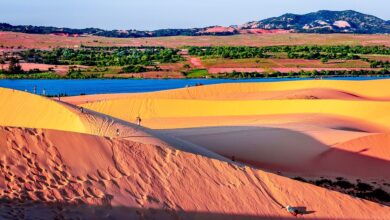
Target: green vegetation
45 75
229 52
293 52
379 64
14 68
197 73
78 74
139 69
113 61
314 73
361 190
103 56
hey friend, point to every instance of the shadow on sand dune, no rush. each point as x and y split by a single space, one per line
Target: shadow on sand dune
15 209
278 149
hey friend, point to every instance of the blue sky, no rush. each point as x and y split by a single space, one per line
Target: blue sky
156 14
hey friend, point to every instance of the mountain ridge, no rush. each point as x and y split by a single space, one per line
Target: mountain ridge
323 21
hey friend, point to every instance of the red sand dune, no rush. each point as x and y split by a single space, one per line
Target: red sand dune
305 146
376 146
119 179
65 35
264 31
219 29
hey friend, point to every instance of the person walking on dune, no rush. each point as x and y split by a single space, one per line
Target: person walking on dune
138 119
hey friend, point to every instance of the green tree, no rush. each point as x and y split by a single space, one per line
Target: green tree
14 66
2 62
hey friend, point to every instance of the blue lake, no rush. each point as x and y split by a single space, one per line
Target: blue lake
101 86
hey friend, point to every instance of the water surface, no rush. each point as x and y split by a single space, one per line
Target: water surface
102 86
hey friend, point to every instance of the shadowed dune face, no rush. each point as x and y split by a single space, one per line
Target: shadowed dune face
42 177
297 127
295 153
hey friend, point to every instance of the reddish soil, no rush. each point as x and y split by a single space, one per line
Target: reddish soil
60 69
283 70
38 41
219 29
264 31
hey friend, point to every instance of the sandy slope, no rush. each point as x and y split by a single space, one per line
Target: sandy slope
310 145
340 98
295 127
139 172
312 93
308 89
129 109
364 89
117 179
377 146
27 110
22 109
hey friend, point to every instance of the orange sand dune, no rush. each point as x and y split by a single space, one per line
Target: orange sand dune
49 114
327 89
367 89
78 100
295 149
294 127
149 109
27 110
265 95
41 177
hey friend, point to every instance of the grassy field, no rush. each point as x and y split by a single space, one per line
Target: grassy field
10 39
282 63
197 73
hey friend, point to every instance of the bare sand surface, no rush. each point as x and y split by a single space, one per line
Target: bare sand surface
49 114
60 175
296 128
201 153
307 89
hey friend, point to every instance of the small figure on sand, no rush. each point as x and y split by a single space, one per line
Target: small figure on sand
293 211
138 119
81 109
117 132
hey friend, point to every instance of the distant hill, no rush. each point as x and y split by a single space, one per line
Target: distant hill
316 22
325 22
